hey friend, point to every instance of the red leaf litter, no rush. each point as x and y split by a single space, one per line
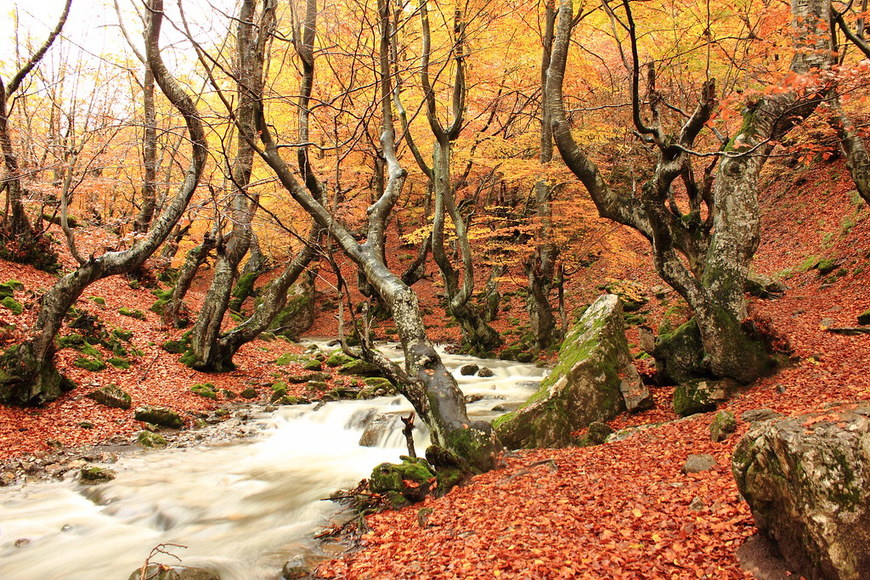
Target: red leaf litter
621 510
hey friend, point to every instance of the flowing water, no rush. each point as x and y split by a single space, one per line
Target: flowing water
241 510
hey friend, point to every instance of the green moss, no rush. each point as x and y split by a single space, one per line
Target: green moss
244 287
337 359
809 263
124 335
89 364
204 390
249 393
72 340
92 475
173 346
119 362
150 440
132 313
13 305
97 300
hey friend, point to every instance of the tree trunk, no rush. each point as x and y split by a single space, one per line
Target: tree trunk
854 148
29 375
541 267
175 311
427 384
249 89
149 157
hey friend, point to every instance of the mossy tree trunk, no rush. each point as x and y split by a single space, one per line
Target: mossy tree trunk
29 376
252 35
704 253
427 384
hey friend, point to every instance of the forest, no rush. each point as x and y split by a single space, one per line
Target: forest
607 260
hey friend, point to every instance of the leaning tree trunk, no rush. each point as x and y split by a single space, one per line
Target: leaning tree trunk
427 384
854 148
29 375
175 311
203 353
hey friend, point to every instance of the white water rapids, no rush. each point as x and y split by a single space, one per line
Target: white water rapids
242 509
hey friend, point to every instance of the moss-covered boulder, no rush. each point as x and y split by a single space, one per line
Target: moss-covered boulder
92 475
593 371
164 572
111 396
297 316
403 483
680 354
8 289
864 318
13 305
337 359
162 416
376 387
206 390
703 395
807 481
249 393
723 425
150 440
359 368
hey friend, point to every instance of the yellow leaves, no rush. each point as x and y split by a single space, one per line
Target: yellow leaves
636 512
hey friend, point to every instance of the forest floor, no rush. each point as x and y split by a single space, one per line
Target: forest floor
624 509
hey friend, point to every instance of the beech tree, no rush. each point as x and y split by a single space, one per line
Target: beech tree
423 380
458 283
28 374
18 239
703 253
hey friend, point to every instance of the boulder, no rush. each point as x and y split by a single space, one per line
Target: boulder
111 396
162 416
701 396
764 286
403 483
164 572
359 368
468 370
594 369
723 425
680 354
92 475
699 463
485 373
807 481
864 317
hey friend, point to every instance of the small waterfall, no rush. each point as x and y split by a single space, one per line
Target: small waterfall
241 509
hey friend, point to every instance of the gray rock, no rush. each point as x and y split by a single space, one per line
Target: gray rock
758 415
723 425
485 373
699 463
701 396
468 370
111 396
764 286
593 371
807 481
162 416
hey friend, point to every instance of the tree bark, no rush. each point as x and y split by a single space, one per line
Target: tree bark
149 157
541 266
29 375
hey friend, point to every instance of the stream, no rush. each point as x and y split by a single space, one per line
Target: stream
241 509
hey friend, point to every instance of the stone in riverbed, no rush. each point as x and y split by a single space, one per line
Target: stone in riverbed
807 480
468 370
162 416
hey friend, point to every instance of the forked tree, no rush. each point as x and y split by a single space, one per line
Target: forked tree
28 374
703 251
